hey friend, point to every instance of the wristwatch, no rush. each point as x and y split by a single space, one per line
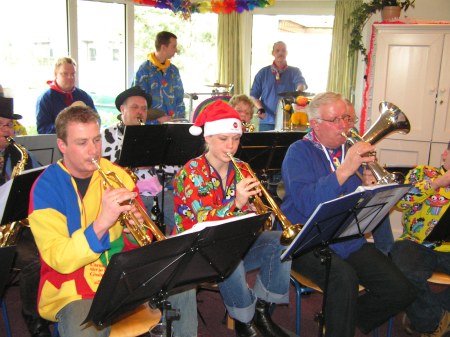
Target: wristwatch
261 111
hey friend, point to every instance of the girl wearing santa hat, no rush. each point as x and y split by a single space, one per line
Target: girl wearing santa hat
209 188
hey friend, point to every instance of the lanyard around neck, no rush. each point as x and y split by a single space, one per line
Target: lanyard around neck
334 165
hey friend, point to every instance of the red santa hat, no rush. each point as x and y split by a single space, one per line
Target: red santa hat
217 118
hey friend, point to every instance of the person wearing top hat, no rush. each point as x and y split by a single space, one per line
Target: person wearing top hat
62 93
209 188
133 104
27 254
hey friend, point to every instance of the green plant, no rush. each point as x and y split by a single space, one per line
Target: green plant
361 15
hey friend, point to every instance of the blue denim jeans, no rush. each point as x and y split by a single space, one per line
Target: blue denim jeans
272 280
186 303
383 237
72 315
418 263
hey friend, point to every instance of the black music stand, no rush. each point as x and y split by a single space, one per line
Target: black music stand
16 192
343 219
265 151
159 145
151 273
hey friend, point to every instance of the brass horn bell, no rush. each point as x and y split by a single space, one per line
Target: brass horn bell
391 120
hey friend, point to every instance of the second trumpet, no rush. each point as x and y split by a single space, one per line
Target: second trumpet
290 231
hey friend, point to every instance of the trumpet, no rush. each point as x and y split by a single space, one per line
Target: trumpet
290 231
128 219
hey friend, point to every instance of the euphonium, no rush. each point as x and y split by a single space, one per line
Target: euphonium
128 219
9 233
290 231
392 119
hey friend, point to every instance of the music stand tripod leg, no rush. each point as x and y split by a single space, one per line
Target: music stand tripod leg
325 258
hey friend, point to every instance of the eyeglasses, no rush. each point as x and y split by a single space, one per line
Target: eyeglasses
7 125
337 120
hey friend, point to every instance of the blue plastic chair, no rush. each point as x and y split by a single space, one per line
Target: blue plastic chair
6 318
305 286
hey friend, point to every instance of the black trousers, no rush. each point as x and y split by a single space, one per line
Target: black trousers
27 260
387 291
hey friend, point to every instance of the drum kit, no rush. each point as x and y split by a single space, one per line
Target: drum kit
219 91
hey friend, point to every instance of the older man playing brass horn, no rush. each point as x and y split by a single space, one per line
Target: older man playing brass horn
319 168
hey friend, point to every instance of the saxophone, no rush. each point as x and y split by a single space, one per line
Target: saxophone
9 233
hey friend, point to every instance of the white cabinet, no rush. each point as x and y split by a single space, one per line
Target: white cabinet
411 69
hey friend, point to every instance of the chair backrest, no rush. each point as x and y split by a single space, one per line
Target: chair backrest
439 278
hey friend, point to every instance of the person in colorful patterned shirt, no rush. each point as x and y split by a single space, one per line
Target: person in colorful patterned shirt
423 206
61 94
74 220
272 80
161 79
208 188
319 168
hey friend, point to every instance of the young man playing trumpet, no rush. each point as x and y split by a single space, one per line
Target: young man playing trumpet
209 188
319 168
74 220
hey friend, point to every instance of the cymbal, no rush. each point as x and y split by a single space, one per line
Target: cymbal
217 85
153 114
295 94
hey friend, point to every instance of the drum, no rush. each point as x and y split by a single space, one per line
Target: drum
207 102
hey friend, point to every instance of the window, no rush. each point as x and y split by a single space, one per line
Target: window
308 40
28 47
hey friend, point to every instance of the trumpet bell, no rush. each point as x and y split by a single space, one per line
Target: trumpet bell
391 120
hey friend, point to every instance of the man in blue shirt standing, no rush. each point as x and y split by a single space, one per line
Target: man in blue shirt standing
272 80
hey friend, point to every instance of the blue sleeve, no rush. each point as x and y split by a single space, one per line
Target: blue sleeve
299 79
44 117
180 110
308 181
256 90
97 246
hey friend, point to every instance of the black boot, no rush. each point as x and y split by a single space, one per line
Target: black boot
39 328
264 322
246 329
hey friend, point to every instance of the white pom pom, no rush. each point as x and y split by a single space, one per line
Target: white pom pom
195 130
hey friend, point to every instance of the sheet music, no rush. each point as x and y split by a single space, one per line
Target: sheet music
336 218
202 225
376 208
4 193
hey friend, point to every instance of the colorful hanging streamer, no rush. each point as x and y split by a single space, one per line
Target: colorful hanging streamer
207 6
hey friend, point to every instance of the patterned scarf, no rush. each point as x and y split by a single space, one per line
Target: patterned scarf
161 66
68 97
277 71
